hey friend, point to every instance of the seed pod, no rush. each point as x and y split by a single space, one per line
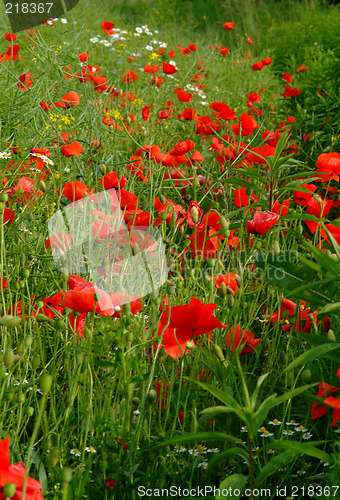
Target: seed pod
187 243
29 340
65 274
25 273
194 214
231 301
8 357
164 216
35 362
30 411
9 490
10 321
237 279
135 400
276 248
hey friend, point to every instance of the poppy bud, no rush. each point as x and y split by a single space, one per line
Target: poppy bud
190 345
10 321
25 273
8 358
41 318
331 336
53 457
45 382
42 185
9 490
300 228
275 248
35 362
218 352
102 168
194 214
30 411
29 341
258 245
187 243
2 371
231 300
3 197
306 376
229 290
334 257
290 378
152 396
164 216
66 475
135 400
224 223
79 356
21 398
65 274
223 289
226 233
170 289
135 249
40 304
237 279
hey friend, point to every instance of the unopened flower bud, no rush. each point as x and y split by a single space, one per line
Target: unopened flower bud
331 336
41 318
8 357
224 223
218 352
223 289
102 168
65 274
10 321
275 248
190 345
152 396
306 376
3 197
45 382
162 198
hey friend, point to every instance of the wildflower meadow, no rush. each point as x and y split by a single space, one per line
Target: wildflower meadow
170 250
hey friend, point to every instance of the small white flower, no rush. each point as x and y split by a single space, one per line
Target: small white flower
94 39
275 422
75 452
5 154
90 449
136 412
139 30
149 47
63 20
288 432
163 45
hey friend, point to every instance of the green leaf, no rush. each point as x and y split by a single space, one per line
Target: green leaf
217 459
221 395
317 340
274 464
217 410
313 353
193 437
232 483
305 448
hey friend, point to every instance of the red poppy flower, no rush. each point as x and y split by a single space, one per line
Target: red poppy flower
228 280
287 77
249 40
330 164
188 114
224 112
8 216
229 26
262 222
169 69
319 410
25 81
68 101
12 53
184 323
16 474
267 61
130 76
318 209
107 27
257 66
10 37
183 96
205 126
110 181
237 336
151 68
75 190
83 296
248 124
290 92
73 149
303 198
302 68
